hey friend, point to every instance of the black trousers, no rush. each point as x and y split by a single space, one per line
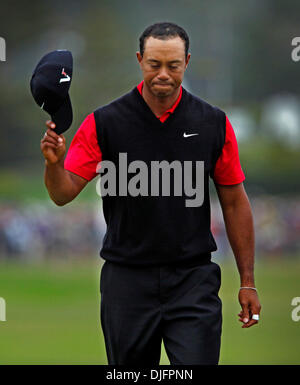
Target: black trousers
141 306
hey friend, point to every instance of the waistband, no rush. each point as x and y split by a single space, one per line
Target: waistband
198 260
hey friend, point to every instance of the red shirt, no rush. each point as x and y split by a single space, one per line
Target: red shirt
84 153
167 113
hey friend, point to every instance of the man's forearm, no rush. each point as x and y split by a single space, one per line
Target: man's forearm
240 231
59 183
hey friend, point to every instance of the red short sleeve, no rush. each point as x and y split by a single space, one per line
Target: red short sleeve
228 169
84 152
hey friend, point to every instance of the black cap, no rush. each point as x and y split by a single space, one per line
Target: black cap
50 84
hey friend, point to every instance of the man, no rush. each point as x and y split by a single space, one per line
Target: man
158 280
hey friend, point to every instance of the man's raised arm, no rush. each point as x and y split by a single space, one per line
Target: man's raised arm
62 185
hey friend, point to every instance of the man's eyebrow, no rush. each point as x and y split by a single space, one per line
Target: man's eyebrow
153 60
171 61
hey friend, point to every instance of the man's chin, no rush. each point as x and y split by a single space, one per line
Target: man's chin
163 93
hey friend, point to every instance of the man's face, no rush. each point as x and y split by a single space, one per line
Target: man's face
163 65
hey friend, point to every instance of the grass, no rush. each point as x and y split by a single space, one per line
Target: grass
52 312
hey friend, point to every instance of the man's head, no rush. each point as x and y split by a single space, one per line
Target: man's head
163 57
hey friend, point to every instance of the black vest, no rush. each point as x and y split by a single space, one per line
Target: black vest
154 230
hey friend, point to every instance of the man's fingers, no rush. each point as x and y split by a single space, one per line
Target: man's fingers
245 313
250 323
59 139
240 316
54 146
50 124
52 134
49 139
250 306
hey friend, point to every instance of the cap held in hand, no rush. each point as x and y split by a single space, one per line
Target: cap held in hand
50 84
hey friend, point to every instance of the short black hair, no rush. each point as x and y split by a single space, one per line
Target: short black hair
164 31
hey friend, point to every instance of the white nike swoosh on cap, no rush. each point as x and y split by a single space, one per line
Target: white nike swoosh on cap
67 79
187 135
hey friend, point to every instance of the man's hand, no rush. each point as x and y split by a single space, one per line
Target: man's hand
53 146
249 301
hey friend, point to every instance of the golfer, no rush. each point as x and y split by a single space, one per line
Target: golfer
158 282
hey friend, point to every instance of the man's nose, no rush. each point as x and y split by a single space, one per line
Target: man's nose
163 74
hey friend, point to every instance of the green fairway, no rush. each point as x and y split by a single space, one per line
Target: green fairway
52 314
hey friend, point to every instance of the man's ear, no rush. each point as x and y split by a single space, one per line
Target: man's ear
187 60
139 56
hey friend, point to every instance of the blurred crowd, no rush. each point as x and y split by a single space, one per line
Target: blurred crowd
38 230
41 230
277 226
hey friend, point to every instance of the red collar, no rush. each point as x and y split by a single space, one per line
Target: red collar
170 110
